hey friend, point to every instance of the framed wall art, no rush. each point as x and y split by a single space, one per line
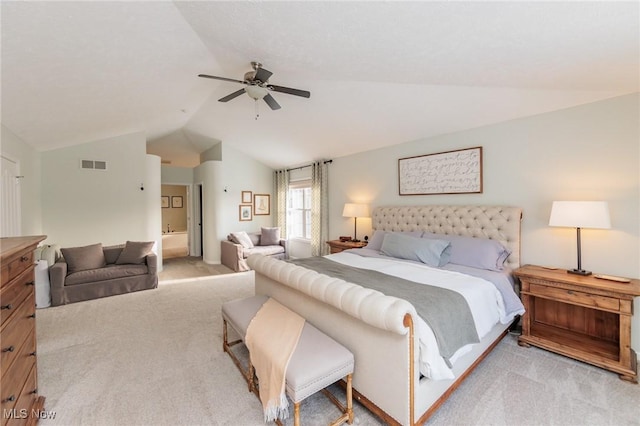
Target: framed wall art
245 212
176 202
246 197
450 172
164 201
261 204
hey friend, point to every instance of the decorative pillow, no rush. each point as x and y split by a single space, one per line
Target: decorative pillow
430 252
481 253
84 258
134 252
375 243
270 237
242 238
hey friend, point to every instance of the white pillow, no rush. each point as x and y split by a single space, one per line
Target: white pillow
242 238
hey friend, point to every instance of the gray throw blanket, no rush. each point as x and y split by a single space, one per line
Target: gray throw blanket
445 311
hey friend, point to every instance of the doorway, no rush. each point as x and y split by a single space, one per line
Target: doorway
175 221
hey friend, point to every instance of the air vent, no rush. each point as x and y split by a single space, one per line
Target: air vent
93 165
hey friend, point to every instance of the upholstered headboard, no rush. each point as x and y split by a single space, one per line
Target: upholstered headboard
500 223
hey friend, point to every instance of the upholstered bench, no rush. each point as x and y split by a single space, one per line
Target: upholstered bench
317 362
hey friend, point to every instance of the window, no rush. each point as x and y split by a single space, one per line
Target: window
299 210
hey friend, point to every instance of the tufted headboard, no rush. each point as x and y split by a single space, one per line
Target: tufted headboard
500 223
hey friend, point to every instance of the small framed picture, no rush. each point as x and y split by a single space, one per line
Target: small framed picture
164 201
246 197
261 204
176 202
245 212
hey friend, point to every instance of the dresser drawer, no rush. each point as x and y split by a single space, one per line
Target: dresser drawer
13 294
575 297
25 399
14 335
16 382
15 265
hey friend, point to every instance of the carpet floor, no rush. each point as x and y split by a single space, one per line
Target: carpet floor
155 358
179 268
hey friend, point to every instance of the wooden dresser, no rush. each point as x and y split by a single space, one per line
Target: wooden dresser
20 402
581 317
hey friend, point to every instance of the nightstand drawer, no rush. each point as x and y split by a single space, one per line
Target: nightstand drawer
576 297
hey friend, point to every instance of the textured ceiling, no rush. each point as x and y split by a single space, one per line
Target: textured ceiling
380 73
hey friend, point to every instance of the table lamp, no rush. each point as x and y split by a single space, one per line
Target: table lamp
355 211
580 214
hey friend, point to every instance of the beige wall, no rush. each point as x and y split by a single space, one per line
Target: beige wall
176 218
590 152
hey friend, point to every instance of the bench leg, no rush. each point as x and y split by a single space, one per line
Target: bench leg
349 399
224 335
296 414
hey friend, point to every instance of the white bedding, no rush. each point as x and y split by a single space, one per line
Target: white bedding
485 302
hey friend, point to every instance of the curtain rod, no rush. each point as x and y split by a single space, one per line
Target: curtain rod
309 165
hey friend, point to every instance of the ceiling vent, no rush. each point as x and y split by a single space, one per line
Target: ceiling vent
93 165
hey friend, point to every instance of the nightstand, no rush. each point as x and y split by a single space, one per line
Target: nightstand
337 246
582 317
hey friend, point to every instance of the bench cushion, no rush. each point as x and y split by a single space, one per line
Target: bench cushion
317 361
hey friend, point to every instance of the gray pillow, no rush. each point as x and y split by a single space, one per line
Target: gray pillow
241 238
375 243
481 253
430 252
84 258
270 237
134 252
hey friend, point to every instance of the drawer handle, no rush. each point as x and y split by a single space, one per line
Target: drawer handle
11 398
32 353
24 258
35 391
33 315
9 349
9 306
569 291
30 283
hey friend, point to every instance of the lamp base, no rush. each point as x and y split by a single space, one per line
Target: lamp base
578 272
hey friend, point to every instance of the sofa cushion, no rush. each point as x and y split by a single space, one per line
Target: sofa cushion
134 252
109 272
84 258
270 236
241 238
264 250
111 253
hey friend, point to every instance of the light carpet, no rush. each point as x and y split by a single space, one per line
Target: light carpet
155 358
189 267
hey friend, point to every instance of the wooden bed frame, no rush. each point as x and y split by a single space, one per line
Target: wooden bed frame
379 329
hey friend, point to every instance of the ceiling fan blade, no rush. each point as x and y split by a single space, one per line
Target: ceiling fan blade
262 75
271 102
290 91
221 78
231 96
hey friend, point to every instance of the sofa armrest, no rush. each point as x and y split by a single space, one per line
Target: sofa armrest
152 263
232 256
57 275
284 244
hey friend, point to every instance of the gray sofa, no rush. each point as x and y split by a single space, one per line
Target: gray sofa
234 255
117 275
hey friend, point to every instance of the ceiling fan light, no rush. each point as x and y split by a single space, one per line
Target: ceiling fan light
256 92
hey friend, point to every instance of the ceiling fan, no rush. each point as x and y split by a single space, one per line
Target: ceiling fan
257 86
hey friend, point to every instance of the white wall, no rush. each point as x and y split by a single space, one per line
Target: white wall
29 162
590 152
82 207
236 172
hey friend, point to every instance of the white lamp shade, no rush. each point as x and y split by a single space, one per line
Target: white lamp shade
580 214
355 210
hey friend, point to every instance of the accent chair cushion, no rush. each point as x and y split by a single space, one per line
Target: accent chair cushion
270 237
134 252
84 258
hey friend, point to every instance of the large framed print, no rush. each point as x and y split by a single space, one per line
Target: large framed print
449 172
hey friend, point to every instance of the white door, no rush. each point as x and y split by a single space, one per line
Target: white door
9 198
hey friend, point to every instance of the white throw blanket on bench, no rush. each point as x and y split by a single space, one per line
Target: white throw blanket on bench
272 337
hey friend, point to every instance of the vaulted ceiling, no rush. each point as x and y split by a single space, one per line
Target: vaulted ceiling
379 73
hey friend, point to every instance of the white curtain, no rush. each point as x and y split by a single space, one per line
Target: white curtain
281 186
319 208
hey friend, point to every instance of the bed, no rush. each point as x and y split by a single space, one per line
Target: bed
395 374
